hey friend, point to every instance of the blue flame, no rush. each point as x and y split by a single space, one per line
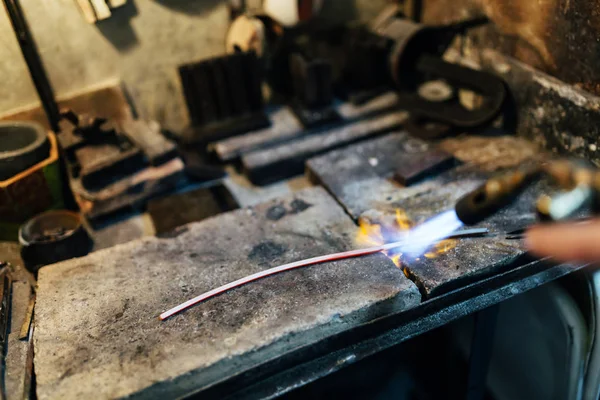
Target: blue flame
423 236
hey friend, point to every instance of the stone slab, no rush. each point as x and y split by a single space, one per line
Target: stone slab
16 366
372 195
96 327
340 171
471 258
359 176
285 160
285 126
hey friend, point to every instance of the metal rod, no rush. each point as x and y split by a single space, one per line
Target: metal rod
298 264
34 62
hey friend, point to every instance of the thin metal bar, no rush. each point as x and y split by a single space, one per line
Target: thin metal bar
298 264
34 62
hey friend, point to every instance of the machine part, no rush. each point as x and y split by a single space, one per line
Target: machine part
565 205
34 190
437 91
22 145
246 34
366 73
130 192
416 68
413 40
292 12
313 91
297 264
425 128
198 169
103 151
147 136
454 113
493 195
51 237
99 166
34 62
223 96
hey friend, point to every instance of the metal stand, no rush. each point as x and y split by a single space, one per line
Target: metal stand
34 62
482 345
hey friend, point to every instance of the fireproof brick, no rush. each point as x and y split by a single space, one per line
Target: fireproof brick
96 327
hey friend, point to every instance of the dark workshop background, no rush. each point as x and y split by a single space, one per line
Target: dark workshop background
141 44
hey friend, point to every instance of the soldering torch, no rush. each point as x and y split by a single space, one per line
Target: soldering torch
579 181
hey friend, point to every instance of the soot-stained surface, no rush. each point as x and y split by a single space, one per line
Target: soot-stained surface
97 333
358 177
470 258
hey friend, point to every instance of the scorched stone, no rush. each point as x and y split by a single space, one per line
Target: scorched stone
96 328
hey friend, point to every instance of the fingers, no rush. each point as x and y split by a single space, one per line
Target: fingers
566 241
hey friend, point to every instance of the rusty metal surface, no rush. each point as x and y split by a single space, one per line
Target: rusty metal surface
16 350
555 36
105 339
556 116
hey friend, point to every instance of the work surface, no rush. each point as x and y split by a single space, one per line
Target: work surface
97 332
96 327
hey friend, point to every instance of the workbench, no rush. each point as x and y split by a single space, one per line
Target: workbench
96 326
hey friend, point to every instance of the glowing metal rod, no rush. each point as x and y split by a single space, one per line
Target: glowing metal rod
298 264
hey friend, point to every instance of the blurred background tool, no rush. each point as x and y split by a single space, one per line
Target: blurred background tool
51 237
30 177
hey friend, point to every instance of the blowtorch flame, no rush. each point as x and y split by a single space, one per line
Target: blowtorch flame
427 235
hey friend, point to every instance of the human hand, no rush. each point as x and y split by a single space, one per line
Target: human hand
568 242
